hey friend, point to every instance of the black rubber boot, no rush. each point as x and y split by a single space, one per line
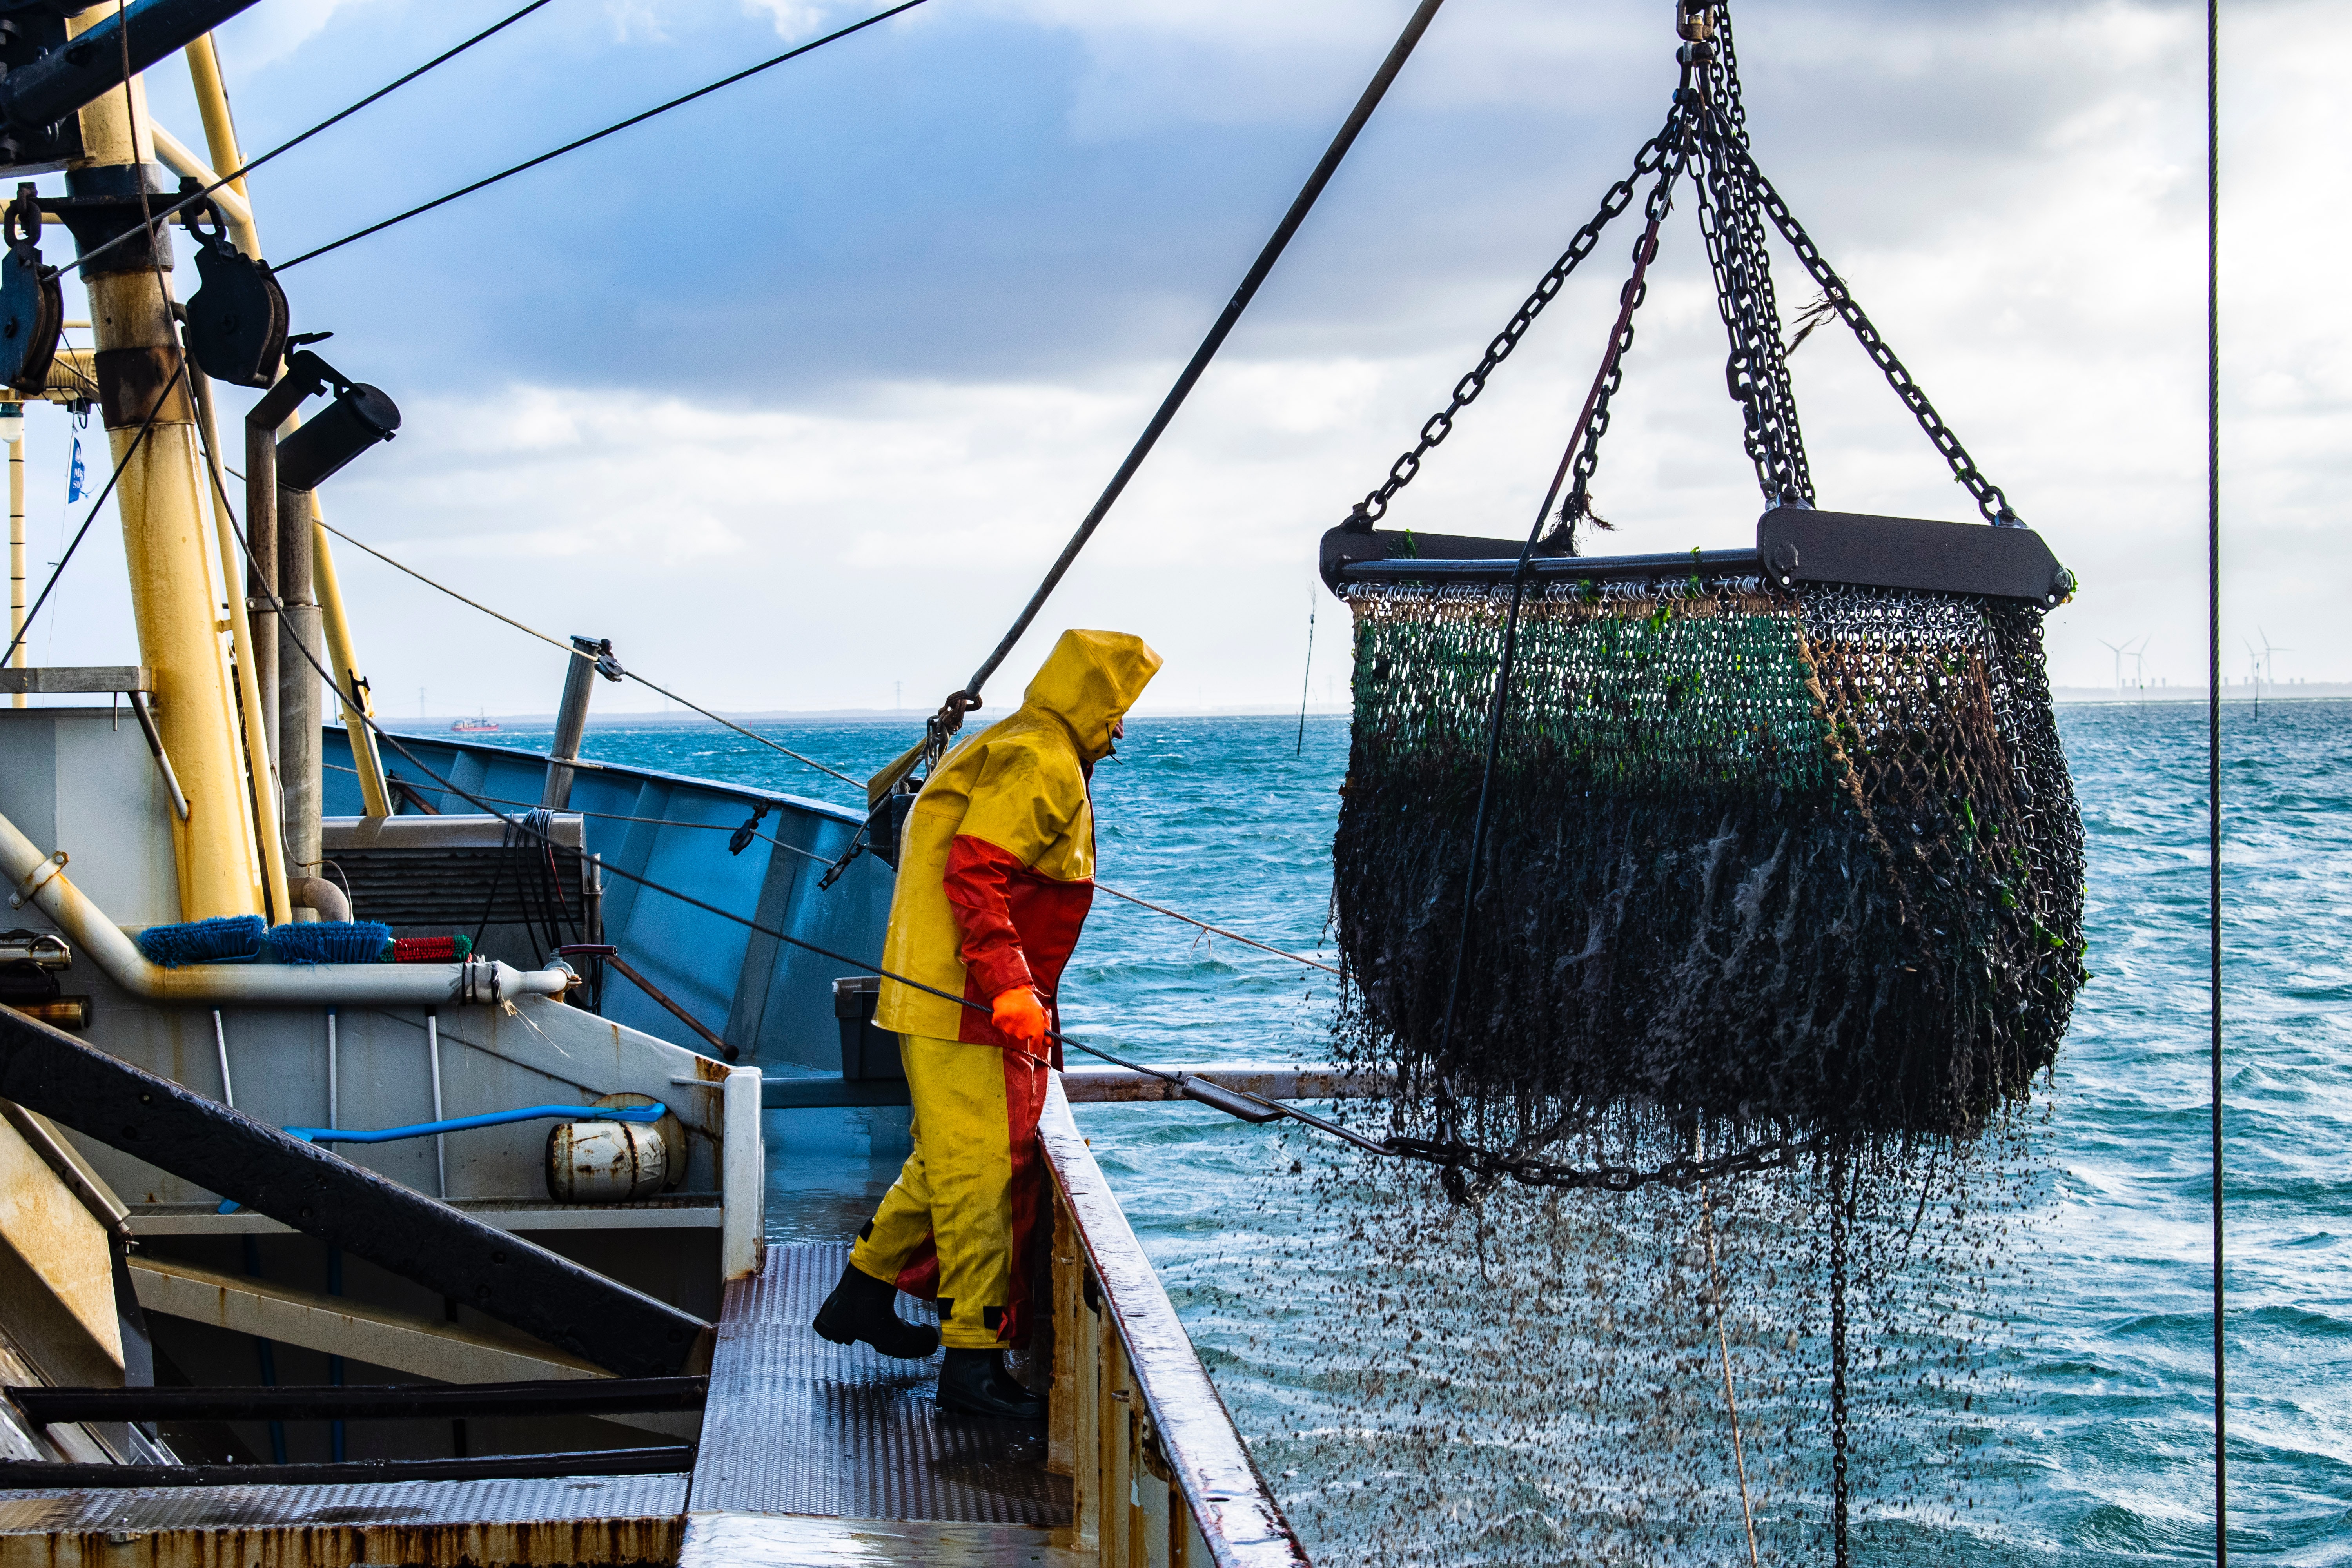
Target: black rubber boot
864 1308
974 1382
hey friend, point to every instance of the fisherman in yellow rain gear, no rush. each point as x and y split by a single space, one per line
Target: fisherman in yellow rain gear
995 874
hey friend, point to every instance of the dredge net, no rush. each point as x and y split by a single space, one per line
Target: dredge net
1771 873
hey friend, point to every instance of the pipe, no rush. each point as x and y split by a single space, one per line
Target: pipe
16 557
475 983
300 659
351 687
181 159
162 759
255 731
38 94
321 896
572 719
261 573
165 547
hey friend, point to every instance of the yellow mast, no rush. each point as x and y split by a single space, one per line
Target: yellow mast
221 146
174 588
16 554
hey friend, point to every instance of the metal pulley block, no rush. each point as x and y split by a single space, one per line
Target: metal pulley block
237 321
32 301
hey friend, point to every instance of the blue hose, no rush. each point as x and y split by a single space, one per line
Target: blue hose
637 1113
640 1114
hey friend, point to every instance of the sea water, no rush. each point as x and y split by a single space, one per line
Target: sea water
2098 1428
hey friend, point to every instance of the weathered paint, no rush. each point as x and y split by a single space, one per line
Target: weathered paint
1161 1477
427 1524
56 1270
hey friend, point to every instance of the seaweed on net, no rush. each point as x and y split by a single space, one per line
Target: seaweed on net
1777 915
1541 1377
1782 871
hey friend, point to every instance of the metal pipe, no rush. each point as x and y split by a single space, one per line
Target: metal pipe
220 1043
261 574
162 759
37 881
440 1139
360 1402
299 659
42 1475
351 687
181 159
255 730
334 1080
680 1014
171 580
321 896
16 557
572 720
38 94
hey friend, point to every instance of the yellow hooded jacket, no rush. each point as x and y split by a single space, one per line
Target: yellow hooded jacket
996 869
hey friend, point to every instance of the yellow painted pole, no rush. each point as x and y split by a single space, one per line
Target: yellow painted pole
221 146
265 796
164 544
17 557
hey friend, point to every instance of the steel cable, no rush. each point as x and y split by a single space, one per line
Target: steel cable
618 126
231 177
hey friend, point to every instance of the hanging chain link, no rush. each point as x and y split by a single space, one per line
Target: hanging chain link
1648 160
1734 202
1577 507
1755 372
1989 500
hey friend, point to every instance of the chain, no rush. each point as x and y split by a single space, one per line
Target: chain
1988 498
1755 371
1477 1170
1579 505
1648 160
1841 1218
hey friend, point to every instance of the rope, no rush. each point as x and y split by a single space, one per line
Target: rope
184 203
961 702
613 129
822 860
2213 738
570 651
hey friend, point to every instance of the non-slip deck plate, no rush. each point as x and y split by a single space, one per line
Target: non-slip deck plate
564 1498
797 1425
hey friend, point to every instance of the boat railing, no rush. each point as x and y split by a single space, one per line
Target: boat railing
1159 1473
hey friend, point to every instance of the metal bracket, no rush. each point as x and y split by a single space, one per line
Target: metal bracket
40 879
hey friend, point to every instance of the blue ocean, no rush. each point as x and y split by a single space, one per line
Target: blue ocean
1417 1435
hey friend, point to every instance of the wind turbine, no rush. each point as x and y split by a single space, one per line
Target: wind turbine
2123 651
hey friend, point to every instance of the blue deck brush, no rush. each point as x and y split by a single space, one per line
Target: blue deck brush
202 942
329 942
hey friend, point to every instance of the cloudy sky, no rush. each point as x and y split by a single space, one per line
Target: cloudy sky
795 392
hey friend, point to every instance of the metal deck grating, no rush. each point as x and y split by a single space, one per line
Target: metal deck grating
796 1425
407 1504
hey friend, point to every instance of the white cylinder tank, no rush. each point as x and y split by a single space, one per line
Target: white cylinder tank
604 1161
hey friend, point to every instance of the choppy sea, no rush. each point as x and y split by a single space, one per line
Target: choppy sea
2099 1427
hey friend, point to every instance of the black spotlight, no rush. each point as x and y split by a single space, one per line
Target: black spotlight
360 416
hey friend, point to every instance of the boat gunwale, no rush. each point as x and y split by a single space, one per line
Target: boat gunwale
1236 1514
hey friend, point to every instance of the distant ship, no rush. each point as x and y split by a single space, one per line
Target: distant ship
474 726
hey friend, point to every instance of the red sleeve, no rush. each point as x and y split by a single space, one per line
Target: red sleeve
977 878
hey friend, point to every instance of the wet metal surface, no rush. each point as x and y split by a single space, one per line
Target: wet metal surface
615 1519
796 1425
751 1541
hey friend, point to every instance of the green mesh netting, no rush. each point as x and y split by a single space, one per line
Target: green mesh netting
1757 865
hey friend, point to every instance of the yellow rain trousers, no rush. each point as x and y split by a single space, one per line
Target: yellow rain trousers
995 874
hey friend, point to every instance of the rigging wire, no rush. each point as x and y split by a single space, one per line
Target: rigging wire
826 860
112 480
962 701
184 203
2213 740
567 648
613 129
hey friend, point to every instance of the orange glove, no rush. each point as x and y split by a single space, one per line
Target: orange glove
1018 1013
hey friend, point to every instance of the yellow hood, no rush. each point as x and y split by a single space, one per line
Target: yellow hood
1089 681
